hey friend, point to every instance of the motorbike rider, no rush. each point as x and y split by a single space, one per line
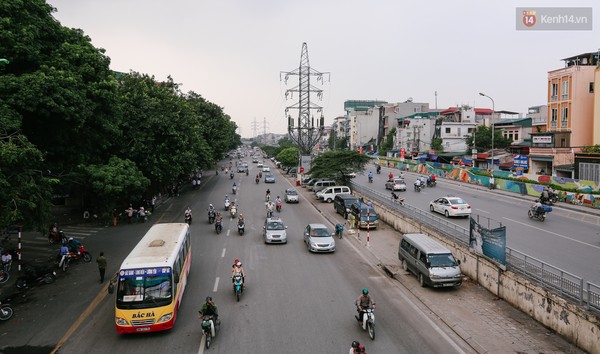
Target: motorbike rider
269 206
241 219
187 213
268 195
417 183
218 219
237 268
537 207
73 245
390 176
370 175
356 348
53 232
363 303
209 308
545 195
278 202
378 169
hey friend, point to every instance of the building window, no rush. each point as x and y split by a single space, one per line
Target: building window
591 89
470 130
516 136
553 117
447 130
564 119
553 91
565 90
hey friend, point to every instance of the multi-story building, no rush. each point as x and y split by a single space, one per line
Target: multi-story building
538 115
362 121
416 132
391 112
458 124
570 122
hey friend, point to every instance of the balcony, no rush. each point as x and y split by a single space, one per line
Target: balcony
553 98
564 97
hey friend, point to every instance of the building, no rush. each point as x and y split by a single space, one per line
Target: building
362 121
570 121
538 115
390 113
415 132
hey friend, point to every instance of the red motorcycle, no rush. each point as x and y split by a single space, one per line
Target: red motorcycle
81 254
278 206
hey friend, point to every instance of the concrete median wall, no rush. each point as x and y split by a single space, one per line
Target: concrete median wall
576 324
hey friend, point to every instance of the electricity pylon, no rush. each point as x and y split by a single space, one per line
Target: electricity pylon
305 133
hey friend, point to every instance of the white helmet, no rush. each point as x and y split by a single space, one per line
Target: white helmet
70 238
210 205
239 264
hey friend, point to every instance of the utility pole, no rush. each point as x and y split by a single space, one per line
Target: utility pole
264 126
305 133
254 126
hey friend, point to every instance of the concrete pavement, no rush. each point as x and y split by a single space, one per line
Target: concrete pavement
486 323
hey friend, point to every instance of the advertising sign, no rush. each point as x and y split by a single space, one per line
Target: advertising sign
490 243
542 139
521 161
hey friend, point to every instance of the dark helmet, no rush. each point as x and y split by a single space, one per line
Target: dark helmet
365 291
208 298
355 344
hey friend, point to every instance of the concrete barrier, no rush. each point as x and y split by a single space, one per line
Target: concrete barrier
579 326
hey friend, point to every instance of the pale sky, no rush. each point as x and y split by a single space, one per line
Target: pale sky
232 51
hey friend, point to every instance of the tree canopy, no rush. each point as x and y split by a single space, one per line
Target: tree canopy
483 139
71 126
338 165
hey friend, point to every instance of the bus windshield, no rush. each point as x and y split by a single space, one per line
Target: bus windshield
144 288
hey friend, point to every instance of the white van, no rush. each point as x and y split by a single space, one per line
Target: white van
329 193
320 185
432 263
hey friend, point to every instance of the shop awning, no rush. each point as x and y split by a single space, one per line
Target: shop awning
546 158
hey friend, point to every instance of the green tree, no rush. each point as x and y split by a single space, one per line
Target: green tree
288 156
338 164
591 149
436 145
388 143
483 139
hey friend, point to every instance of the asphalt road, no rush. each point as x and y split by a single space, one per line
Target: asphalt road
567 239
295 302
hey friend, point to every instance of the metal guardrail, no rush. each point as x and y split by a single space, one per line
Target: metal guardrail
552 278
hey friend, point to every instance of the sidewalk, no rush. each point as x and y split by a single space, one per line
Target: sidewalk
488 324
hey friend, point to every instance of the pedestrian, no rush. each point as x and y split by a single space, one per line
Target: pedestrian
130 213
101 266
153 203
115 216
141 214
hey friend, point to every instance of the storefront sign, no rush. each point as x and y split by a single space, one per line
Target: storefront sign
542 139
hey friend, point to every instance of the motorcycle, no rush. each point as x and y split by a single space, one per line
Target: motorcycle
368 322
233 211
188 219
246 172
234 190
81 254
417 188
378 170
231 175
34 276
370 179
539 213
6 312
211 216
227 203
241 227
431 183
339 230
209 328
238 286
58 237
257 180
551 200
218 226
396 198
278 207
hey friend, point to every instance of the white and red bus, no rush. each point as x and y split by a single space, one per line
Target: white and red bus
152 280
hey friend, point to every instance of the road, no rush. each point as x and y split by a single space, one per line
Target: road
568 239
295 302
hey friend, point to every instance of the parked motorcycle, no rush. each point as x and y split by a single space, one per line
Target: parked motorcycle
34 276
211 216
209 328
368 322
238 286
539 213
241 227
218 226
6 311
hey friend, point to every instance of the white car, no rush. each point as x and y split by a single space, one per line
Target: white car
450 206
291 196
266 169
259 165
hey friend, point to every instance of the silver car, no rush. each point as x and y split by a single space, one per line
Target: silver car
274 231
291 196
318 238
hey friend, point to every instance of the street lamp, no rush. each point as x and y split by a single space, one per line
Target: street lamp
492 124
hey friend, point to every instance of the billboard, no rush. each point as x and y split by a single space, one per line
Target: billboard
490 243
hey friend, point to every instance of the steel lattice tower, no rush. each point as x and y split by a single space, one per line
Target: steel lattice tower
305 133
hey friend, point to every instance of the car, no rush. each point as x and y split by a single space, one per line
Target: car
274 231
396 184
367 216
292 170
266 169
241 168
269 178
318 238
259 165
254 160
450 206
351 175
291 196
306 180
342 204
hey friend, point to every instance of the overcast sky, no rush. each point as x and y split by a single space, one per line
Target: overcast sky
232 51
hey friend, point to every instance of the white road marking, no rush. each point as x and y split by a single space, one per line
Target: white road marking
483 211
216 285
554 233
223 253
228 232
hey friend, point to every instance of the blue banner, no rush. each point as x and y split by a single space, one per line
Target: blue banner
490 243
521 161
